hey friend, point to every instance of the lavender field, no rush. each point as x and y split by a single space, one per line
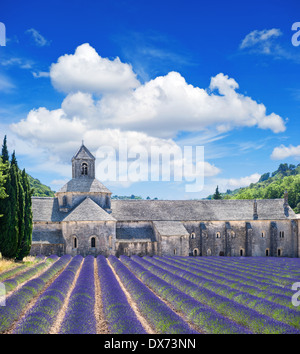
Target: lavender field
151 295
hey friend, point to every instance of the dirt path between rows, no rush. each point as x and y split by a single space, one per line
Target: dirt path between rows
101 323
32 302
133 305
179 313
61 314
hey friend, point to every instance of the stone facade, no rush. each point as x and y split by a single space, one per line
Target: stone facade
82 219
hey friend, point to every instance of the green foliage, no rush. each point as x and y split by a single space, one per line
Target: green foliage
39 189
217 194
286 177
15 208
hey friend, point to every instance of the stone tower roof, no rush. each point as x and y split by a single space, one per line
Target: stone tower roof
84 185
83 153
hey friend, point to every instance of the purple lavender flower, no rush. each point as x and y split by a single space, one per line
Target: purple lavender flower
80 316
117 311
157 313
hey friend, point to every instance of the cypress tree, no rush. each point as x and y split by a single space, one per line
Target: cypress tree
25 243
21 205
217 194
9 226
5 156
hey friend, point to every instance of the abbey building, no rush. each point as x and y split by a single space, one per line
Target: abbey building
83 219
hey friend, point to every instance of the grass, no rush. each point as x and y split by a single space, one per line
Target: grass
7 264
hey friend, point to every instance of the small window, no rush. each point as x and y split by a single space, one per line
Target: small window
74 242
267 252
93 242
193 235
84 169
263 234
218 235
279 252
281 234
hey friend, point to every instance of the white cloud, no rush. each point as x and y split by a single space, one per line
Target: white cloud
282 152
261 40
86 71
40 74
105 103
39 40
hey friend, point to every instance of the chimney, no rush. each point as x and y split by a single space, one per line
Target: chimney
255 215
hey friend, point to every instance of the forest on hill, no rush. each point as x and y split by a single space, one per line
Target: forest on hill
271 186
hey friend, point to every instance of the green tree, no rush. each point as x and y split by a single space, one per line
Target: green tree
9 226
217 194
25 243
4 154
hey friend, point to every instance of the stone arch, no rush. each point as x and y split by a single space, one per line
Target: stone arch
93 241
84 168
196 252
208 252
242 252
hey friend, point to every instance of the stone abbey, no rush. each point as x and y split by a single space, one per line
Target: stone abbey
83 219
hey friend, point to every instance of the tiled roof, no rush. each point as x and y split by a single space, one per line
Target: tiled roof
84 184
170 228
88 210
202 210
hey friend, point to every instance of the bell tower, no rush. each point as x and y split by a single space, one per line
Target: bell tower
83 164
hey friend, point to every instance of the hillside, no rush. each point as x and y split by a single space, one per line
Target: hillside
271 186
40 190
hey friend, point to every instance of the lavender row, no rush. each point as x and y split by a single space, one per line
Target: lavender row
202 316
233 280
233 275
159 316
80 315
118 313
273 276
12 283
271 309
17 302
42 315
256 322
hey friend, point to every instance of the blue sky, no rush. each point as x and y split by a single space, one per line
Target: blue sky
223 75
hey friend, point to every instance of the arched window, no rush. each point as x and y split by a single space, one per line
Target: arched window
93 242
267 252
218 235
84 169
241 253
232 234
74 242
208 252
281 234
195 252
193 235
279 252
263 234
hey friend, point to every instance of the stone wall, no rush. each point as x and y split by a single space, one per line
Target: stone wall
103 232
